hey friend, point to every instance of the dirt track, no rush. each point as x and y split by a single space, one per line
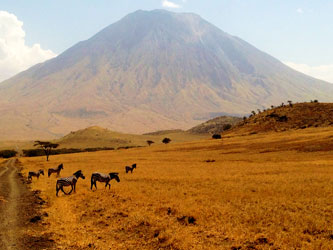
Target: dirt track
18 205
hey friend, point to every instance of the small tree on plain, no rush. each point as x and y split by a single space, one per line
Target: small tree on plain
149 142
166 140
47 147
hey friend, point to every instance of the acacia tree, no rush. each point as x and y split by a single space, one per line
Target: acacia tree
166 140
149 142
290 103
47 147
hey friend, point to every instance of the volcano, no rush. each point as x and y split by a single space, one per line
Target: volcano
152 70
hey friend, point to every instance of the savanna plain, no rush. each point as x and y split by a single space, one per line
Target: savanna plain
259 191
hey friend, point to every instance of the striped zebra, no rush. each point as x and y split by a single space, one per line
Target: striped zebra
128 168
103 178
69 181
55 170
36 174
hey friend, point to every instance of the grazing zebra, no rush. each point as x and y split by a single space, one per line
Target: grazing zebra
55 170
69 181
128 168
103 178
36 174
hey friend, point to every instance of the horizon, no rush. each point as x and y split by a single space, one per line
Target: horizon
38 44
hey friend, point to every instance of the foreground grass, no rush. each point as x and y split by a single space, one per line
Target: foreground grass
268 191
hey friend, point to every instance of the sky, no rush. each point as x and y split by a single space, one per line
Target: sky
298 33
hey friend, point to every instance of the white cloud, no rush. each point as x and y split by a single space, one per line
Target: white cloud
323 72
300 11
15 55
168 4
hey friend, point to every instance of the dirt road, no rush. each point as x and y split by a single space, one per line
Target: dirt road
18 205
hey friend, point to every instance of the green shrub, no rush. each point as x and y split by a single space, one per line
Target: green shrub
226 127
217 136
7 153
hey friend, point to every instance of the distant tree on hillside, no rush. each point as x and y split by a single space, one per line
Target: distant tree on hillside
290 103
253 112
46 146
166 140
272 106
315 101
149 142
217 136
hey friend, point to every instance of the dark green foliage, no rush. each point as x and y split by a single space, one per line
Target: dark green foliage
40 152
149 142
96 149
166 140
226 127
7 153
128 147
217 136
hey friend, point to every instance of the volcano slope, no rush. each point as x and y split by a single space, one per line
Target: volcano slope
261 191
151 70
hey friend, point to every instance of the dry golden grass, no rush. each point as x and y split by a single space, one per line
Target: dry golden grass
262 192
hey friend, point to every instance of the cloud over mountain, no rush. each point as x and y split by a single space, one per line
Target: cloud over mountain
323 72
169 4
15 55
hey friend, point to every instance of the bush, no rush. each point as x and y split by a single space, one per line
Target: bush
33 152
166 140
7 153
40 152
226 127
217 136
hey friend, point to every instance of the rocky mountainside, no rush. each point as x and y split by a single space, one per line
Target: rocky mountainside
152 70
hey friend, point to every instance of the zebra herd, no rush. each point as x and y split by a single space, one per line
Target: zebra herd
72 180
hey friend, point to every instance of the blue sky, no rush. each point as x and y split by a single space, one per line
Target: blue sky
299 33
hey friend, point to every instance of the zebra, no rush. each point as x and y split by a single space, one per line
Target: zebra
55 170
103 178
69 181
128 168
36 174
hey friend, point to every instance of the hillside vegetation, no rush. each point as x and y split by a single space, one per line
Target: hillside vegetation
216 125
262 191
287 117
